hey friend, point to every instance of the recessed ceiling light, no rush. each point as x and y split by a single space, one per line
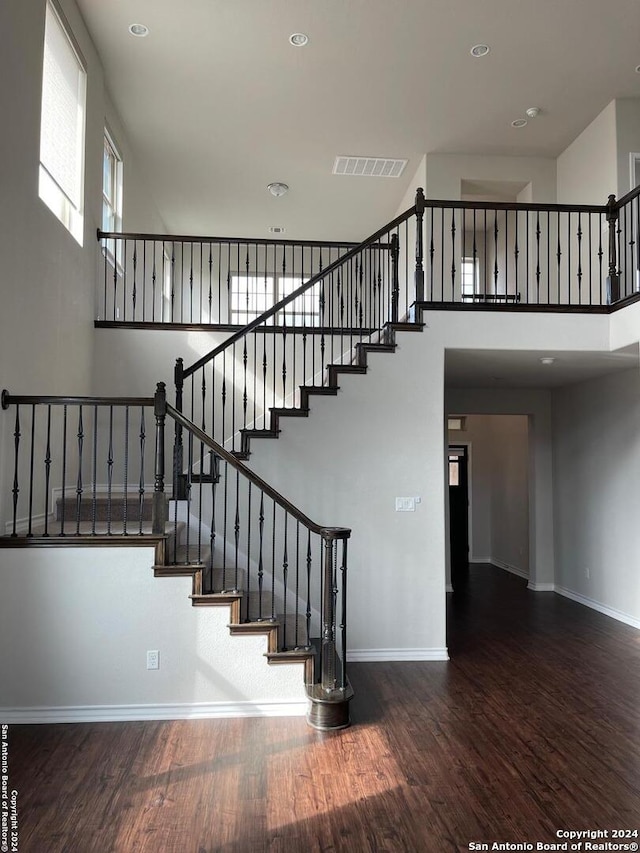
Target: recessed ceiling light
277 188
519 122
298 39
547 361
139 30
479 50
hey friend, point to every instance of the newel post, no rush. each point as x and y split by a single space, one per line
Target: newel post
159 506
180 484
395 282
419 278
613 279
334 580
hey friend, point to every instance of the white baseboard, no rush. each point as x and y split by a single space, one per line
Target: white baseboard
541 587
514 570
372 655
601 608
480 560
126 713
448 588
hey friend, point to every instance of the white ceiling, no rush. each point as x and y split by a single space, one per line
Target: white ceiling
523 369
218 103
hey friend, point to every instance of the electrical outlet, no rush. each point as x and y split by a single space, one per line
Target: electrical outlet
153 659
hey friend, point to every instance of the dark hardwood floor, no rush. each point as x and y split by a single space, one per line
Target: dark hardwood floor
532 727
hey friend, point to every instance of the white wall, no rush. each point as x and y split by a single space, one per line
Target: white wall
445 173
628 139
596 464
587 169
81 621
48 280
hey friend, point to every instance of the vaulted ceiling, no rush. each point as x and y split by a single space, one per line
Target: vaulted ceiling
218 103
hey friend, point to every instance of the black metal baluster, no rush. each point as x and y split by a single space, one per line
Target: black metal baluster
215 475
64 470
223 397
210 300
442 276
234 387
395 285
559 256
247 584
47 472
245 394
141 484
579 258
260 555
225 528
164 281
273 564
115 281
154 277
125 506
79 485
506 249
516 254
285 578
296 630
191 282
187 556
495 249
144 278
569 255
343 613
308 607
31 464
453 253
110 472
173 281
538 232
94 471
236 534
590 227
600 258
432 251
15 491
135 282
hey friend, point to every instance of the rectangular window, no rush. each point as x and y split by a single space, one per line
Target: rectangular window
111 186
64 83
469 276
253 295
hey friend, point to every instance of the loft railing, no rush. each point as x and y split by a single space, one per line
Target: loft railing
624 251
160 280
93 468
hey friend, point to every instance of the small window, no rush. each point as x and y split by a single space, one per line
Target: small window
64 83
111 186
469 276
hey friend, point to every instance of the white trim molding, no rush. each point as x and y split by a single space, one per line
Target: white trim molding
129 713
534 586
373 655
507 567
601 608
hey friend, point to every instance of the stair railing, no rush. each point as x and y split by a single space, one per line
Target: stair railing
260 368
81 474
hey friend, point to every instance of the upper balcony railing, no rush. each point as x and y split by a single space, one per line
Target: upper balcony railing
555 257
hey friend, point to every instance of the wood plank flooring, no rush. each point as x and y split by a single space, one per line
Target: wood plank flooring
532 727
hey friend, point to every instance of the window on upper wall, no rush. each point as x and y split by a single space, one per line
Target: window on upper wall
253 295
64 84
111 186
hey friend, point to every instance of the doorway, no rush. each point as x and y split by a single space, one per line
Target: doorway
458 468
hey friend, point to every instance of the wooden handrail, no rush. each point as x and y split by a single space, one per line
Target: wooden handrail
8 399
324 532
259 241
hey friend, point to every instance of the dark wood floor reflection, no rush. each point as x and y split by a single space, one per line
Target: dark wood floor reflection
532 727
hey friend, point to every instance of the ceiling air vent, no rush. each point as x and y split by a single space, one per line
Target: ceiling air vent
369 167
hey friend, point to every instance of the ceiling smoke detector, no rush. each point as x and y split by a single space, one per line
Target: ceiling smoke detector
479 50
139 30
278 189
533 112
298 39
